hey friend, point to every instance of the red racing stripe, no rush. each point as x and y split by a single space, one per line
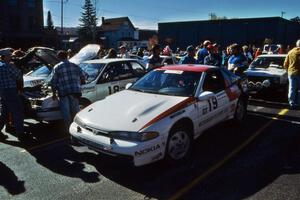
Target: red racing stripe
172 110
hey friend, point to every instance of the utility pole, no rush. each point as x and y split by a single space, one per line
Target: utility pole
62 15
282 13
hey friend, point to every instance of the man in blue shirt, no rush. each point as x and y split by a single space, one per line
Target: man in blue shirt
10 101
237 61
190 57
202 53
66 80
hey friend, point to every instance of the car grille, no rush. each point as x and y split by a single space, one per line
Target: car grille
96 131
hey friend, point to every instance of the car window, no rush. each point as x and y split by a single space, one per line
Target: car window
117 71
91 70
265 62
214 82
138 69
168 82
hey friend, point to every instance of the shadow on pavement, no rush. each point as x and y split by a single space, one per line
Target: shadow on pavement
66 162
275 153
10 181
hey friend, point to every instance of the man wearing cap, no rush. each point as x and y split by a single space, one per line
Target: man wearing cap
292 64
66 80
10 101
202 53
189 58
213 58
155 60
123 52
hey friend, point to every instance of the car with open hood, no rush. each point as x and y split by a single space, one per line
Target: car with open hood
161 114
103 77
266 73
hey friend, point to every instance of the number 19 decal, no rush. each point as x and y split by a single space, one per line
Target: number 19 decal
213 104
113 89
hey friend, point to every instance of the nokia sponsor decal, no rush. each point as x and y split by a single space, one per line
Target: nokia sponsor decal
147 150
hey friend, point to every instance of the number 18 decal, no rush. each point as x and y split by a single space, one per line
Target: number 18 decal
213 104
113 89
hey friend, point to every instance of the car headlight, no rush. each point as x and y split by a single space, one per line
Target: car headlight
134 136
78 121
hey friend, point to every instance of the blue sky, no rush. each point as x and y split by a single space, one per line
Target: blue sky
146 14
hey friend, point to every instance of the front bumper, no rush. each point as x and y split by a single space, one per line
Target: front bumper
139 153
259 84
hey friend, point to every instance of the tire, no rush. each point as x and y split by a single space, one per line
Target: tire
240 111
179 145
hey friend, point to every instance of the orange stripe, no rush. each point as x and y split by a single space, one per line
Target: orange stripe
172 110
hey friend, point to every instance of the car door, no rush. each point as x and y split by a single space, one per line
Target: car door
213 110
126 74
108 82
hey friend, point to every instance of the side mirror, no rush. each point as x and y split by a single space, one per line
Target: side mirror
128 85
206 95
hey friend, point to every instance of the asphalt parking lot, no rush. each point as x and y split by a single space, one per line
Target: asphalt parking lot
260 160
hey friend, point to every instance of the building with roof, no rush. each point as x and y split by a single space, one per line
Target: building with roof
115 30
228 31
21 23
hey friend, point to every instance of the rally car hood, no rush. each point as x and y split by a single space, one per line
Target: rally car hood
266 72
31 81
89 52
127 110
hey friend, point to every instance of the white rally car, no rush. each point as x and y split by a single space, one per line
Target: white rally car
104 77
266 73
162 113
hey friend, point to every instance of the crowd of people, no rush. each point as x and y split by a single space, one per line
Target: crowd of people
67 77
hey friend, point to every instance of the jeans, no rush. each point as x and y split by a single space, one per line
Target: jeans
294 90
69 106
11 103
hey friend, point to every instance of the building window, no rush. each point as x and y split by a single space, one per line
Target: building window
31 3
12 2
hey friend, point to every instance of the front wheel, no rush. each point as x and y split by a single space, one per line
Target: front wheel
179 145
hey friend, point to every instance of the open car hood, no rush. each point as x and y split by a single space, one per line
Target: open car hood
47 56
88 52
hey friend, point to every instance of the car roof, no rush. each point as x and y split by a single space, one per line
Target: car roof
188 68
272 55
109 60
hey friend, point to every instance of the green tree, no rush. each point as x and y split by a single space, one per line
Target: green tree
88 22
50 25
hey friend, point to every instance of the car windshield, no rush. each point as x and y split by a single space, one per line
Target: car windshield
265 62
92 70
42 71
168 82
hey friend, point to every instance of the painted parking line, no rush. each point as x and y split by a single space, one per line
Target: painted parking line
44 144
219 164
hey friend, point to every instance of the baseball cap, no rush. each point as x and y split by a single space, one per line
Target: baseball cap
206 42
122 46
